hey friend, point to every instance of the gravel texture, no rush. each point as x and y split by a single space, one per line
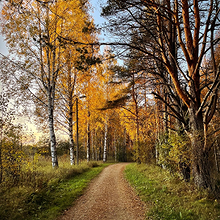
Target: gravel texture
108 197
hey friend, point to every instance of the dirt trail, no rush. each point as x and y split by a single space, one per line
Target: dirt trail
108 197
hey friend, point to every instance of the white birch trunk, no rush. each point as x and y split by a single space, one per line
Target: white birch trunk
72 161
105 141
95 147
157 133
92 143
88 139
71 86
124 147
52 65
115 147
77 133
52 136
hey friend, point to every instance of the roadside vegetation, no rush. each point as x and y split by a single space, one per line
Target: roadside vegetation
44 192
168 197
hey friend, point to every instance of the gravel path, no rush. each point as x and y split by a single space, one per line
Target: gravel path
108 197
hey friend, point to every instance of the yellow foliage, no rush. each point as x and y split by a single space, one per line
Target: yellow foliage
175 151
12 159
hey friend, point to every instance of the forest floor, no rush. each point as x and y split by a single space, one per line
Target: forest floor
108 197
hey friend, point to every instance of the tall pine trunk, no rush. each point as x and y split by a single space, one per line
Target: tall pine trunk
200 154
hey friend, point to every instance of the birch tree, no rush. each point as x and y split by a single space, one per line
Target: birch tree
32 32
71 86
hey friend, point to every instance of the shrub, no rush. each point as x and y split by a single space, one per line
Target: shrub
174 154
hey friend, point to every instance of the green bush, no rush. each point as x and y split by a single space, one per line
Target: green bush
174 153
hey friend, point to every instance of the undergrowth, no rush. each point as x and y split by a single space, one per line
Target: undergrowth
44 192
168 197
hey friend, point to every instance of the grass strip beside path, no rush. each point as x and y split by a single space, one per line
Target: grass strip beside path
168 197
49 202
62 196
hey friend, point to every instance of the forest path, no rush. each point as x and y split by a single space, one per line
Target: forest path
108 197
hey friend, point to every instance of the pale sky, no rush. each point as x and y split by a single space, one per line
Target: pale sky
3 48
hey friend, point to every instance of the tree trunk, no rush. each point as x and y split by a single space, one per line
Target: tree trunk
71 86
1 142
157 126
200 155
105 142
165 115
52 137
77 133
100 153
134 97
92 146
72 161
124 147
95 146
200 164
88 138
115 148
216 150
1 168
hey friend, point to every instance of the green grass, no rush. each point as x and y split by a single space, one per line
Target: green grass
169 198
49 193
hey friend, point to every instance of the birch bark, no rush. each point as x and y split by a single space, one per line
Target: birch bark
88 137
52 134
105 139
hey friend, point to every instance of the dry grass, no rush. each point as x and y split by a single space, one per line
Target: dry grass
42 192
